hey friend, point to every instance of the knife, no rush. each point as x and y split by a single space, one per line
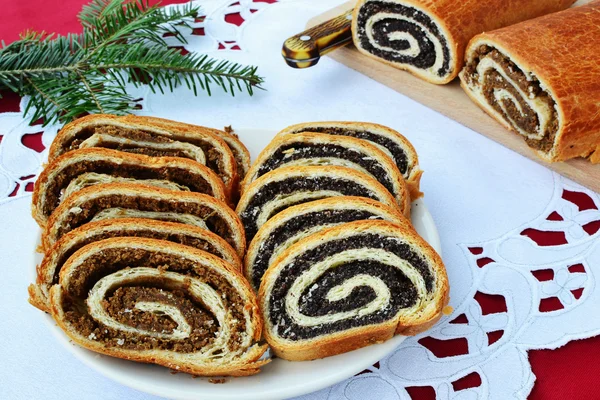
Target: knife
304 49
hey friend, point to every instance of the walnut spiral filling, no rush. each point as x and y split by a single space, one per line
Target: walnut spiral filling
344 283
109 170
127 231
92 178
403 34
505 90
111 205
150 147
140 297
134 141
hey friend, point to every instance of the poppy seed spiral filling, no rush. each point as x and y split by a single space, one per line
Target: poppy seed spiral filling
278 195
344 283
289 153
295 227
396 151
404 35
507 91
152 300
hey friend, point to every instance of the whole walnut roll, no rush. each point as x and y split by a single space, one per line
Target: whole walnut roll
541 79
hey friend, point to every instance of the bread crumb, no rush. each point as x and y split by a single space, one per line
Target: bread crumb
217 380
447 310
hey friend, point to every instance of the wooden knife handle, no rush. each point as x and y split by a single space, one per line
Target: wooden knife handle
304 49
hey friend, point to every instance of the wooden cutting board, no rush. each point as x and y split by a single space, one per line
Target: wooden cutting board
451 101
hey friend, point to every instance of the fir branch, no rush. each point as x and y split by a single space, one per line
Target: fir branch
122 42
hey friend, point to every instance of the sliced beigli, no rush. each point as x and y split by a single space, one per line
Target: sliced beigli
288 186
298 222
103 130
350 286
319 149
48 270
160 302
78 169
239 150
121 200
388 140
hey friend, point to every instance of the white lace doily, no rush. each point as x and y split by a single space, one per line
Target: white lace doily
489 203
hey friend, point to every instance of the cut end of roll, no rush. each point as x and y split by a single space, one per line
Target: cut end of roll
406 37
350 286
513 95
159 302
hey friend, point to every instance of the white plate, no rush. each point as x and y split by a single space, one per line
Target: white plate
279 379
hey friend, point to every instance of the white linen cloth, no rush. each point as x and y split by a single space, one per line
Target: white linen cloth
479 193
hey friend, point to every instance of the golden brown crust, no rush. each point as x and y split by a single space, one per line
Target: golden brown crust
354 338
130 227
171 129
52 171
559 51
333 203
50 234
248 365
414 173
400 191
349 340
461 21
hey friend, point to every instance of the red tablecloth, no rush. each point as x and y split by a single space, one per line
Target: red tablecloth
567 373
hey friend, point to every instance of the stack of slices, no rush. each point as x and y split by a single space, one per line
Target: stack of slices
142 250
332 253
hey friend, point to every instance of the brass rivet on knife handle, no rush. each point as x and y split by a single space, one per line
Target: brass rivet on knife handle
304 49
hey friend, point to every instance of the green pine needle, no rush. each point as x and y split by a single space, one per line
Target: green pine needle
122 42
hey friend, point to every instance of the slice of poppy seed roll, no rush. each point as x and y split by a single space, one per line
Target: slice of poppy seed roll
318 149
298 222
82 168
132 133
160 302
350 286
49 269
288 186
388 140
428 37
122 200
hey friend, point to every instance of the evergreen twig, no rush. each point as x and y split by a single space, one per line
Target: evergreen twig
122 42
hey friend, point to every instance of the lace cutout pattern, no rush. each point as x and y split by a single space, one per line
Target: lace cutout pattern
530 290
